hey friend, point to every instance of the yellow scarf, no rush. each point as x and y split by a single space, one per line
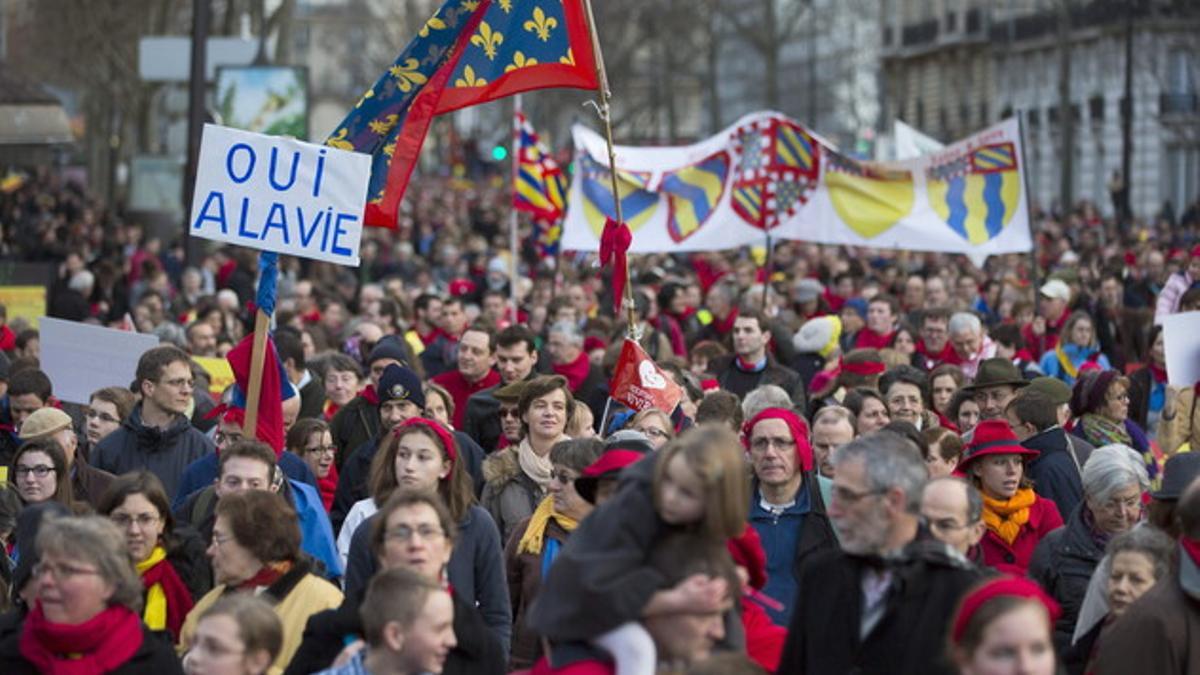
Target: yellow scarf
155 614
1065 361
531 541
1006 518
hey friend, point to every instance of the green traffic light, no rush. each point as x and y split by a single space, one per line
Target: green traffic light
499 153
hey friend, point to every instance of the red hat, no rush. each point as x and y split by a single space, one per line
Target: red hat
608 465
1009 586
747 551
460 287
440 431
992 437
593 342
797 426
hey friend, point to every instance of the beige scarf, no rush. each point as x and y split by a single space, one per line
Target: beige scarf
537 468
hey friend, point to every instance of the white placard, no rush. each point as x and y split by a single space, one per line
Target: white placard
1181 340
280 194
80 358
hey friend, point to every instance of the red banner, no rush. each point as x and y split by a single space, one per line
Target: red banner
640 384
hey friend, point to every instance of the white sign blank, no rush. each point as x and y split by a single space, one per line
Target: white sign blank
1181 339
80 358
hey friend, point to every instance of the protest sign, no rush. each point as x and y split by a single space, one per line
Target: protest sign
280 194
1181 341
639 383
25 302
80 358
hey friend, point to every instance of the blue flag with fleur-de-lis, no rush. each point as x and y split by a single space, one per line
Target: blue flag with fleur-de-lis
469 52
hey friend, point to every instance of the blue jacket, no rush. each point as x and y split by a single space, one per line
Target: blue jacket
1054 473
476 569
205 471
1078 355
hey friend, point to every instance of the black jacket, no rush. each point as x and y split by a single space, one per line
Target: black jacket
163 452
928 582
324 637
186 551
1063 563
312 399
741 382
154 657
1054 473
352 425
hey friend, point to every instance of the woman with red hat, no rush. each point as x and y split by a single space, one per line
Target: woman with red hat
1016 517
1003 626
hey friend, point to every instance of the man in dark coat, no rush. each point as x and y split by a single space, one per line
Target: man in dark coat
516 359
880 603
1034 419
358 421
750 366
309 384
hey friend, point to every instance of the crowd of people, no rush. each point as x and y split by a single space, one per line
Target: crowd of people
882 462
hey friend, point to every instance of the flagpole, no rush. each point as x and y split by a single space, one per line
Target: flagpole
767 271
512 219
605 114
262 325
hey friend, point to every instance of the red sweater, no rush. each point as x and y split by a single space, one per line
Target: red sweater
460 390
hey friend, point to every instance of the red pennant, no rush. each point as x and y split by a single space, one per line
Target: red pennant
614 242
639 383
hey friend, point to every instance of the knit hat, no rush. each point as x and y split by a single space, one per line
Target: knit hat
43 422
995 372
818 335
858 305
1055 389
388 347
808 290
1090 391
398 382
992 437
797 427
622 449
1001 586
747 551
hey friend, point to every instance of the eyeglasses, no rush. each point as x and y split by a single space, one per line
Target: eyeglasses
1122 397
654 432
1116 505
39 471
179 383
764 443
60 571
142 520
103 417
223 439
509 412
322 450
406 533
221 540
848 496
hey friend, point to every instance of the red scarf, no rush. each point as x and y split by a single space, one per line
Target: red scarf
725 326
265 576
369 395
179 598
869 339
99 645
328 486
1159 373
1192 548
331 409
575 372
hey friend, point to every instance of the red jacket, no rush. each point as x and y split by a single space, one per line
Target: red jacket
764 639
461 390
1043 519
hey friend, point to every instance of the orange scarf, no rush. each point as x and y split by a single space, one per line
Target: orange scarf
1006 518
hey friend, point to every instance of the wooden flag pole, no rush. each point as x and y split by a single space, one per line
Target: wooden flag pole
605 110
262 326
512 222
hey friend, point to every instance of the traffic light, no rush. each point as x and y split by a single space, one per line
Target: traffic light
499 153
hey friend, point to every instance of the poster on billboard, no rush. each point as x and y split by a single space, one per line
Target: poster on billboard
270 100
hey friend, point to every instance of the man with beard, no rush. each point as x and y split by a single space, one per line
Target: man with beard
879 603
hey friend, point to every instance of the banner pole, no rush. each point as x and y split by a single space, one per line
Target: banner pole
767 271
605 115
262 325
512 219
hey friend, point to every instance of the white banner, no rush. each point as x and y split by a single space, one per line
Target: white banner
80 358
911 143
1181 340
768 173
280 194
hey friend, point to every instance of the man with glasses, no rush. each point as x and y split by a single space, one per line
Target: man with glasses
879 603
157 436
953 511
508 414
252 465
786 507
995 385
934 344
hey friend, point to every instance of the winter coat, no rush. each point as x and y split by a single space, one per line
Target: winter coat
509 494
1184 427
788 540
186 551
524 572
1054 473
312 398
88 484
326 634
295 597
1044 518
475 570
928 582
353 425
1160 632
163 452
355 472
153 657
1063 563
741 382
1078 356
1142 392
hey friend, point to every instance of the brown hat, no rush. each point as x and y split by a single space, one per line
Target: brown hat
1055 389
996 372
511 392
43 422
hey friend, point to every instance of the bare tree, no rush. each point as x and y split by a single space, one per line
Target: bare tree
766 25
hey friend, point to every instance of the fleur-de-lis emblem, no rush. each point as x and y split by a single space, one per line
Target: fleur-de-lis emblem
389 149
487 39
433 23
406 74
470 5
506 5
339 141
519 61
384 125
541 24
469 80
369 94
569 59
